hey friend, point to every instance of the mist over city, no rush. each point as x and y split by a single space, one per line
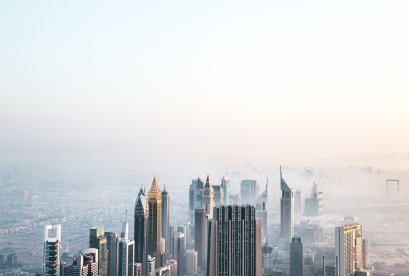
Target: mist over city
204 138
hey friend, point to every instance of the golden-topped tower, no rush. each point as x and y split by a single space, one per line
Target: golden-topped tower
154 221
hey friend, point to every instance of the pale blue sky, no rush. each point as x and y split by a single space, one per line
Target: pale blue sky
226 82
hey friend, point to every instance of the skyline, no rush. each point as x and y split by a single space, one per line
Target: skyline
157 85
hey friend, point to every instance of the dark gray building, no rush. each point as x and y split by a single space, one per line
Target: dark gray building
140 226
296 257
200 236
195 198
112 247
234 241
98 241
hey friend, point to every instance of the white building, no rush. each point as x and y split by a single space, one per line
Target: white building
191 262
52 247
349 249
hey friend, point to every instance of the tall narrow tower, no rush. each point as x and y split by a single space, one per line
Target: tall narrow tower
140 226
226 190
165 219
154 225
208 198
51 255
349 249
287 210
98 240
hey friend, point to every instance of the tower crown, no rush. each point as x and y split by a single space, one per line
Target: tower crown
154 191
207 181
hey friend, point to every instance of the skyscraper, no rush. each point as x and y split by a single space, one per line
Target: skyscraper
195 198
165 219
218 195
261 209
113 248
85 263
126 249
313 205
248 191
191 262
98 240
154 225
51 253
225 185
208 199
286 210
296 257
141 215
268 260
349 249
234 241
179 252
298 203
200 236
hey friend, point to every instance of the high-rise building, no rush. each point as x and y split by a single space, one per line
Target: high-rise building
234 241
298 203
113 248
179 252
126 260
218 195
208 199
52 247
191 262
296 257
248 191
261 210
98 240
349 249
154 219
286 210
268 260
173 267
141 215
165 219
195 197
313 205
200 236
85 263
151 268
126 249
225 185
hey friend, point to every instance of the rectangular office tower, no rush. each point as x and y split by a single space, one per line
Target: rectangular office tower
51 254
98 240
234 242
349 249
113 248
248 191
296 257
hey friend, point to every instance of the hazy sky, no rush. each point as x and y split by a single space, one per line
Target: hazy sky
218 82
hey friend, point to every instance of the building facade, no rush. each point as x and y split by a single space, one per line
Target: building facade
349 249
234 241
51 252
296 257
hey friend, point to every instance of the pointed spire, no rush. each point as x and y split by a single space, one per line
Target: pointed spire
266 185
154 191
124 232
281 174
207 181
